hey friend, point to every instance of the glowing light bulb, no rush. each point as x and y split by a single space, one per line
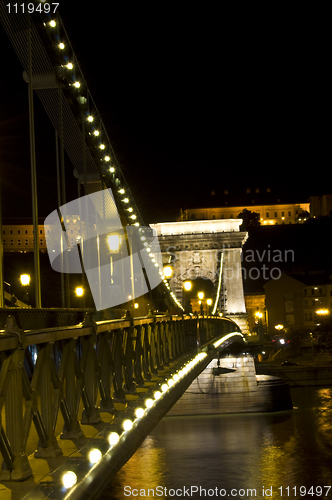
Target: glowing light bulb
95 455
139 412
102 146
69 65
149 403
107 158
96 133
61 46
157 395
90 118
113 438
77 85
52 24
69 479
127 425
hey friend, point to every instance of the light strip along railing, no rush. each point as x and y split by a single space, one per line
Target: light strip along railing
91 365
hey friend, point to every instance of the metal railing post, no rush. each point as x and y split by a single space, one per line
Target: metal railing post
19 467
106 373
50 447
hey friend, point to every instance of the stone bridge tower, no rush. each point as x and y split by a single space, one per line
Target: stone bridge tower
199 249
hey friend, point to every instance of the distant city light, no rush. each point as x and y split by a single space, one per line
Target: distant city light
322 311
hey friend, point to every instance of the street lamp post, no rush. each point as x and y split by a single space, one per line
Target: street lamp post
114 242
25 282
79 292
187 285
200 296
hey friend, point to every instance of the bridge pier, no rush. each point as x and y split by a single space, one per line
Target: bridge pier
238 391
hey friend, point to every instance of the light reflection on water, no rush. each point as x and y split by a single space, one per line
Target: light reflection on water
253 451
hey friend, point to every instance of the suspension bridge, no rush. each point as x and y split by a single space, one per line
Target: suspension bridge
78 396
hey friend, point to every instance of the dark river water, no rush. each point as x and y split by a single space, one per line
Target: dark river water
280 455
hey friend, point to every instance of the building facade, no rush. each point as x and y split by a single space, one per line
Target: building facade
295 304
18 235
268 214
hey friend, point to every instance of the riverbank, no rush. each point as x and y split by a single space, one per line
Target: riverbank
309 372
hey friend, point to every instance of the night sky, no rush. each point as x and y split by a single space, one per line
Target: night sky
194 102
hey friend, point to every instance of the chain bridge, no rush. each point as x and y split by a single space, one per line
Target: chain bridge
80 392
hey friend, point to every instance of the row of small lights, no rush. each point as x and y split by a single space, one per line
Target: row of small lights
69 478
95 132
111 169
166 283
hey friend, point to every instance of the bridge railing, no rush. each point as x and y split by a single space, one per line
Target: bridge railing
81 371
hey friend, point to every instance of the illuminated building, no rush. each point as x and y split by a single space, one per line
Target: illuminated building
268 214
